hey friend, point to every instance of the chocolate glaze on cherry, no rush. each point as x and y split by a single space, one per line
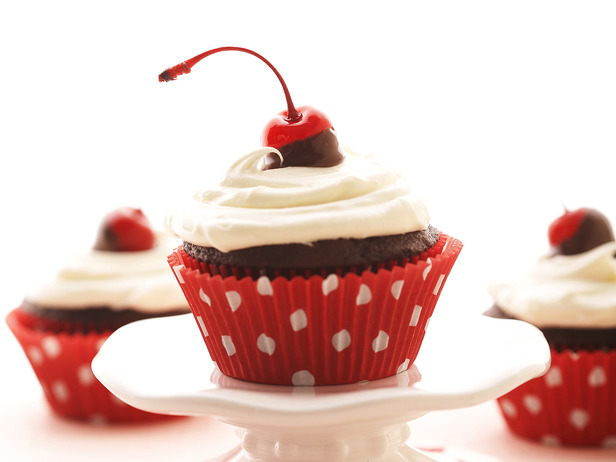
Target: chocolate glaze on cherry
580 230
125 229
320 150
290 127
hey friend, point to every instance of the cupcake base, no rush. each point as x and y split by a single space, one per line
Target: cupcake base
61 362
574 403
316 330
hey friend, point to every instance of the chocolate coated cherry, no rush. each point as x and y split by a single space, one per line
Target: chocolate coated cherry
304 136
578 231
125 230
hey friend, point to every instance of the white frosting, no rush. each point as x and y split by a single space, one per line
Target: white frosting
565 291
140 281
358 198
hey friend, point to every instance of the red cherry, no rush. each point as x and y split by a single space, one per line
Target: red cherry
565 226
125 230
289 126
280 130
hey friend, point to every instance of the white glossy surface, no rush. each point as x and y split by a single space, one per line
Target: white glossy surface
162 365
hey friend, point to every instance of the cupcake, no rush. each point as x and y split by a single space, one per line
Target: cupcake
309 264
570 295
63 322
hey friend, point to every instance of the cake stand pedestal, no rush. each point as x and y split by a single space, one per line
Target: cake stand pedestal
161 365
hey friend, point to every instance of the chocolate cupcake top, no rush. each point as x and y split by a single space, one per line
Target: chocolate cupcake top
358 198
575 288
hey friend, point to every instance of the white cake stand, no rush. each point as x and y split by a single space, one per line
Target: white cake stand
162 365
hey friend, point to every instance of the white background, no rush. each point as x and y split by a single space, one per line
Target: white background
499 112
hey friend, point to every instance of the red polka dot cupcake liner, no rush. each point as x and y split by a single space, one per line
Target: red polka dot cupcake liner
61 362
317 330
574 403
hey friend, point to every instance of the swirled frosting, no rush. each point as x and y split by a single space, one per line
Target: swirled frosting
577 291
138 280
357 198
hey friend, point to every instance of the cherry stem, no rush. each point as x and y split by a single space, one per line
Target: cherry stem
185 67
564 206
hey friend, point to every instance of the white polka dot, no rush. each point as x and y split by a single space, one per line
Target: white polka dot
437 287
60 391
364 296
264 286
341 340
51 347
228 344
415 316
298 320
553 378
597 377
302 378
448 242
550 440
532 404
380 342
404 366
330 283
85 376
202 326
427 269
234 299
97 419
396 289
203 296
508 408
177 269
427 324
266 344
609 442
35 355
579 419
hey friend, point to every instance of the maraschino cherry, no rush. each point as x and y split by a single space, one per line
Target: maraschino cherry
578 231
125 229
304 135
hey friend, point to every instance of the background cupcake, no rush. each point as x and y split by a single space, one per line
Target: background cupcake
63 322
571 296
309 264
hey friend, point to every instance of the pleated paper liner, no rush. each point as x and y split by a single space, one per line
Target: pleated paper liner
61 362
317 330
573 404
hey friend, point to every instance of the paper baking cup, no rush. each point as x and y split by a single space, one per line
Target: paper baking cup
61 362
573 404
316 330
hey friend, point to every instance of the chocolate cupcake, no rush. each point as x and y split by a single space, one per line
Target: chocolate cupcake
322 256
334 284
309 264
571 297
63 322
